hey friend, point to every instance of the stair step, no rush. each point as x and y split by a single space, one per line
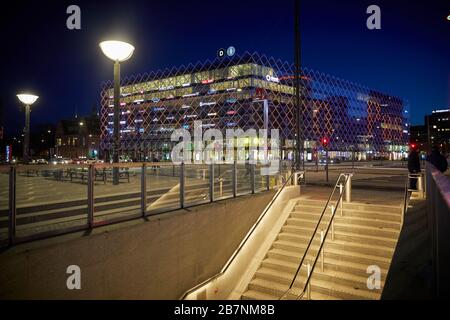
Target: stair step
331 276
347 245
365 235
363 221
275 256
354 207
348 235
311 213
343 291
257 295
336 290
297 251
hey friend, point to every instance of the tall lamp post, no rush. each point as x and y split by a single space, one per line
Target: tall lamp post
298 108
117 51
27 99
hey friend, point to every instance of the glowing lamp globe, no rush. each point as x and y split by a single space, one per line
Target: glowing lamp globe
117 50
27 99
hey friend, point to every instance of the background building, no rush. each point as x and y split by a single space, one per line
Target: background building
254 91
43 141
435 131
78 137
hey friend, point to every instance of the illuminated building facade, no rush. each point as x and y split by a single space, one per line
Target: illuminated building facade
253 91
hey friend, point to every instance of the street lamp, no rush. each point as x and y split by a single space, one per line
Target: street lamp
27 100
117 51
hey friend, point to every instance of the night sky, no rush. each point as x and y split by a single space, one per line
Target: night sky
408 57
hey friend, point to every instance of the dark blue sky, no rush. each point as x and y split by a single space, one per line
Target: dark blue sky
408 57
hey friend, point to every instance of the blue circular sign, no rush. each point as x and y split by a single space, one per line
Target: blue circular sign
231 51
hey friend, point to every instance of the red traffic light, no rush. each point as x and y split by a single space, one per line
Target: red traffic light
413 145
324 141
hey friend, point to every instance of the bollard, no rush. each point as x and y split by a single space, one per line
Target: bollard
348 189
420 185
297 175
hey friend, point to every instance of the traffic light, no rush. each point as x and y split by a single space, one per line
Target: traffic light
413 146
325 142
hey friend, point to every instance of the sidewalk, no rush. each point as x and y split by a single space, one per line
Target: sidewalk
410 275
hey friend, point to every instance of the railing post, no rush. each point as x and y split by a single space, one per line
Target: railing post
348 189
420 185
221 187
144 190
252 177
341 187
12 205
182 185
322 250
308 289
211 181
267 181
234 179
332 224
90 196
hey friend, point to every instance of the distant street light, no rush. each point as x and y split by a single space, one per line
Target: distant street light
117 51
27 100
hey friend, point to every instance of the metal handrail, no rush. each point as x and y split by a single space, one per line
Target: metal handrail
310 271
243 242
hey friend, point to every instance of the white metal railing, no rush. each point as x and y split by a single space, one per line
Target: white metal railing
87 207
344 188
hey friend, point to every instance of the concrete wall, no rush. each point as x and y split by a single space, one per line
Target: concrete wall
234 281
156 259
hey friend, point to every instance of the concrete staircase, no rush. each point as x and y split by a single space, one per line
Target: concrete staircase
365 235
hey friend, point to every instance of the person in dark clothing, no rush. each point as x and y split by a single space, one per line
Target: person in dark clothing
437 160
413 167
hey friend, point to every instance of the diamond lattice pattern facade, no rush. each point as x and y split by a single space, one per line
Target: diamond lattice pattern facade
233 93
